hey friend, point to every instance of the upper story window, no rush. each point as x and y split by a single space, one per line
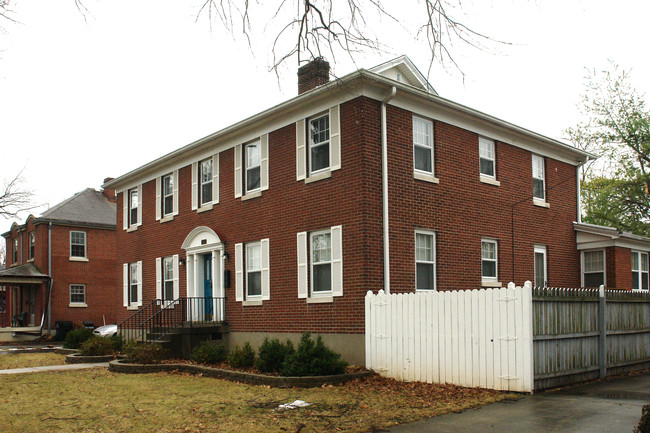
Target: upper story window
32 245
539 187
423 145
489 260
167 196
639 271
133 207
318 146
320 265
77 244
593 268
253 162
132 277
132 216
206 181
487 157
425 261
15 251
252 274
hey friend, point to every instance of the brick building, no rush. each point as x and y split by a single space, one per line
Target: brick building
64 260
368 182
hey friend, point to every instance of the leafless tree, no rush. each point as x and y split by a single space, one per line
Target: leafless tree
325 28
3 252
14 198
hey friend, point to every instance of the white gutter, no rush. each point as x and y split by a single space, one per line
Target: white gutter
384 188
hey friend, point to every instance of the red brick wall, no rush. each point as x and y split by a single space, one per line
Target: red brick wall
460 209
618 267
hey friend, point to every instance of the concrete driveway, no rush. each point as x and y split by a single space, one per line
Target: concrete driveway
611 406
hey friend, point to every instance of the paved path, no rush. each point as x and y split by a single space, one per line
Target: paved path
611 406
54 368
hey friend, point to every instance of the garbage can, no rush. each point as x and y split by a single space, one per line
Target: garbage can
62 329
88 325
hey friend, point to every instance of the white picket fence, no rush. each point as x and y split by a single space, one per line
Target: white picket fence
470 338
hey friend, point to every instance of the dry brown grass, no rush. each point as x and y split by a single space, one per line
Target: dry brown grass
26 360
100 401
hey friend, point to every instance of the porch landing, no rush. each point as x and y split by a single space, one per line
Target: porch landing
24 333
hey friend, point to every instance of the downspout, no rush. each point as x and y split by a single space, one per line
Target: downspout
49 271
579 189
384 188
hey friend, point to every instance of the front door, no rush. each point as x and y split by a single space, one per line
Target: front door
207 285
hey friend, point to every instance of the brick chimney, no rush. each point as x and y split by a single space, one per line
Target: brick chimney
313 74
109 193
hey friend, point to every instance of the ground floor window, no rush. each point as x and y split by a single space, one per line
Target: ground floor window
77 294
593 268
489 260
639 270
425 260
540 266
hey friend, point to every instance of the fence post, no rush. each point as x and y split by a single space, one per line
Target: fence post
602 328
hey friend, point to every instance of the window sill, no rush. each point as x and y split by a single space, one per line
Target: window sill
491 284
320 300
254 303
78 305
541 203
319 176
30 260
251 195
205 208
426 177
78 259
131 229
490 180
167 219
425 290
132 307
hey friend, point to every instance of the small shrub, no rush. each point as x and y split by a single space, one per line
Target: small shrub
116 340
74 338
244 357
644 422
272 354
97 346
209 353
144 353
312 358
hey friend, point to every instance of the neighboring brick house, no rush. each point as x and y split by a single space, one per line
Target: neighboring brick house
68 252
287 210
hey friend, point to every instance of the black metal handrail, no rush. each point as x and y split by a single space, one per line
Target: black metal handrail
159 318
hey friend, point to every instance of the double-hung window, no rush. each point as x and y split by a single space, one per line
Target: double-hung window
253 162
32 243
321 262
77 295
167 195
539 183
425 260
639 270
489 260
167 288
205 184
593 268
131 208
77 245
206 181
423 153
15 251
252 275
168 278
320 265
487 157
540 266
132 277
319 144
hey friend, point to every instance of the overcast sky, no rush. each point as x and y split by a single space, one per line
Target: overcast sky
81 100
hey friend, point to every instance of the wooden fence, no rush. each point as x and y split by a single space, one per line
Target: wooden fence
515 338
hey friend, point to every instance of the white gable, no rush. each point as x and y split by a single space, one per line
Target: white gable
402 69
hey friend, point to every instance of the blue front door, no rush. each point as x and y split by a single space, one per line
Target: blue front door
207 285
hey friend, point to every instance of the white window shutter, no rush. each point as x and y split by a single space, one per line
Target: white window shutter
302 265
335 138
176 279
238 175
195 185
175 192
139 284
337 261
158 200
264 166
301 154
125 215
215 178
125 279
140 189
159 293
239 272
266 282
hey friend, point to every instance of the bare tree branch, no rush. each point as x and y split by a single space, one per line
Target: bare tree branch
14 199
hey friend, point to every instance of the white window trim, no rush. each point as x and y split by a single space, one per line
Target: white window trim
435 271
582 265
311 145
31 243
303 146
247 296
304 256
129 225
418 173
329 292
241 274
83 258
640 254
493 159
246 167
240 169
537 250
77 304
491 281
540 201
160 209
126 289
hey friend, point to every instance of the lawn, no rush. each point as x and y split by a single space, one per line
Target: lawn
99 401
25 360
